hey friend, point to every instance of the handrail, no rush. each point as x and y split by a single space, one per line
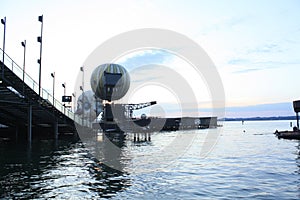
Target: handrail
30 82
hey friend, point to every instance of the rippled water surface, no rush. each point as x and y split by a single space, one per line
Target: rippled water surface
247 161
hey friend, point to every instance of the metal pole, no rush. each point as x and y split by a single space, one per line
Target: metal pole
53 89
297 115
40 40
82 106
3 21
83 99
64 86
24 45
74 103
64 89
82 69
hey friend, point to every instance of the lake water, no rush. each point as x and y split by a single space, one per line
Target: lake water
247 161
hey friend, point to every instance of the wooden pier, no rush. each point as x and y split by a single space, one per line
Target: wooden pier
23 110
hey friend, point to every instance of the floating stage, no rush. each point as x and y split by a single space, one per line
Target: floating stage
110 82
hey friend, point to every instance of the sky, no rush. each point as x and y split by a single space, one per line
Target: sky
254 45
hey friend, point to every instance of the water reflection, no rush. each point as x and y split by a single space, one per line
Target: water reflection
60 169
255 165
297 153
107 149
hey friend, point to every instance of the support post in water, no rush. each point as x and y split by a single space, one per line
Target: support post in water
297 116
29 126
55 129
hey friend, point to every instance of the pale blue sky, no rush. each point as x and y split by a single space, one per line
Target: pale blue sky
255 45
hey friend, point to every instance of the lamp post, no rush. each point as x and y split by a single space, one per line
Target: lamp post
40 40
3 21
74 104
82 89
53 76
64 86
82 69
82 106
24 45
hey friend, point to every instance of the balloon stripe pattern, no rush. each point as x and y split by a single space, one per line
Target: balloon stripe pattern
98 81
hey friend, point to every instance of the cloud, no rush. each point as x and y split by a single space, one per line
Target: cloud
142 63
222 24
144 74
246 71
237 61
243 65
265 64
235 21
267 48
264 55
143 57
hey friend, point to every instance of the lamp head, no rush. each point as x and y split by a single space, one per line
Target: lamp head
3 21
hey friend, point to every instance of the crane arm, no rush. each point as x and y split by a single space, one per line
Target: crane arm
139 105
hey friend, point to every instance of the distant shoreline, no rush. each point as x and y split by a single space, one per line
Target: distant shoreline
259 118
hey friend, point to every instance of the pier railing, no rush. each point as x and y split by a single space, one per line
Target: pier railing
18 71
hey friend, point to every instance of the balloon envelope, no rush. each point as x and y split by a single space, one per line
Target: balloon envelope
102 78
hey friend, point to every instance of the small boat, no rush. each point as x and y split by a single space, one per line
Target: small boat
291 135
295 134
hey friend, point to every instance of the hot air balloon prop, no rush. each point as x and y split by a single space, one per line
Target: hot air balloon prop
110 81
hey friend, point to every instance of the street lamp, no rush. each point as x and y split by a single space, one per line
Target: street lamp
24 45
82 69
82 106
64 86
82 89
40 39
74 104
3 21
53 76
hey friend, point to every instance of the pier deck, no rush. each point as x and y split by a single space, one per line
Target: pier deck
21 106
